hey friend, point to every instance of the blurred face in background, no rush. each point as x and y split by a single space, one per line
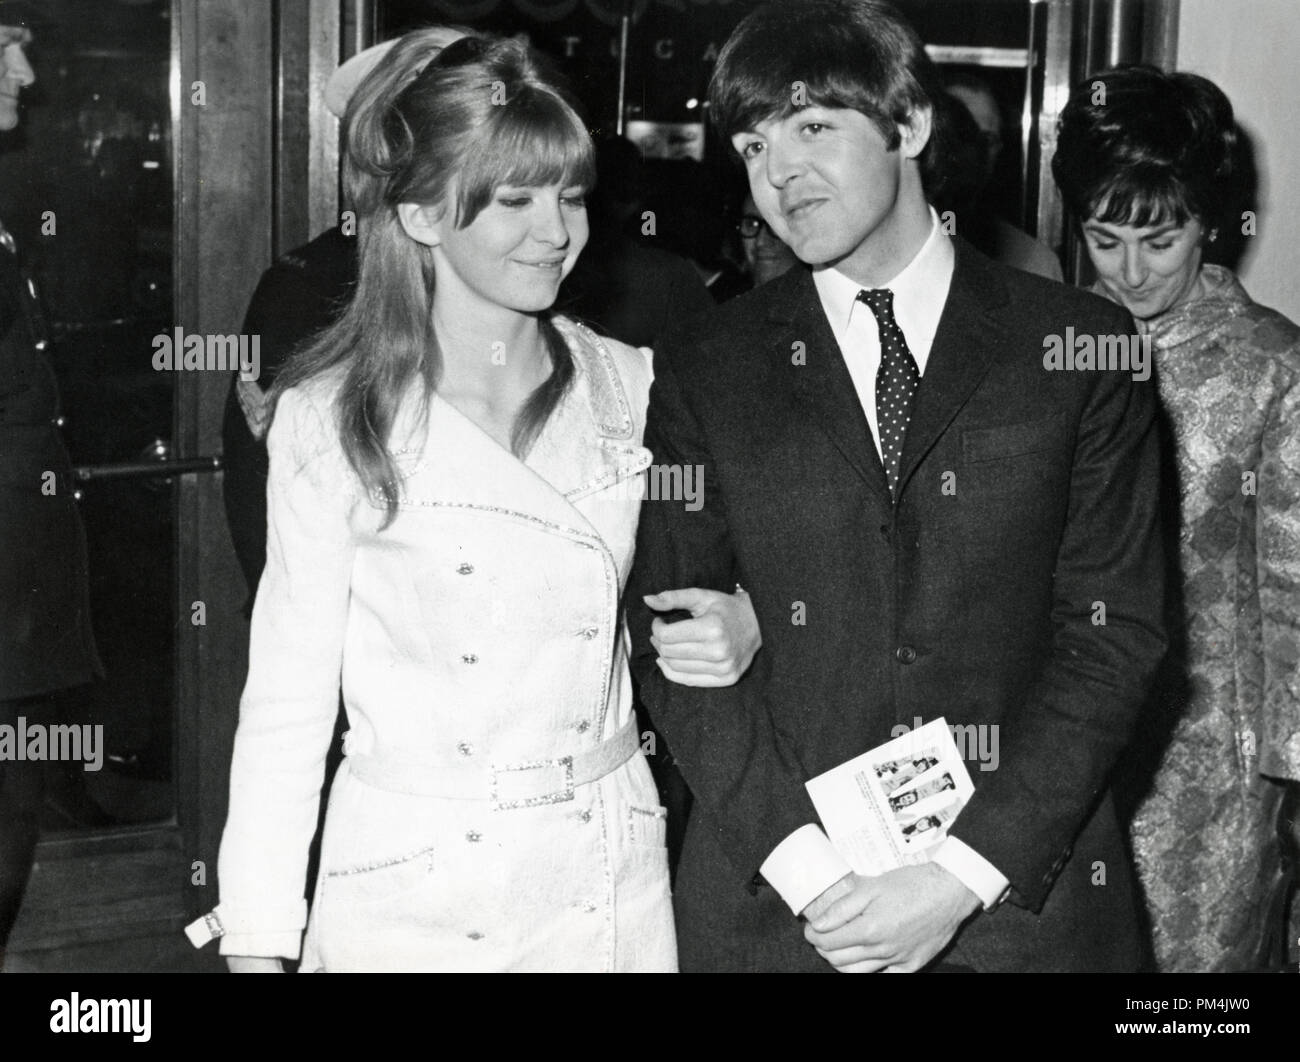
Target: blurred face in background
765 255
984 109
1147 269
15 72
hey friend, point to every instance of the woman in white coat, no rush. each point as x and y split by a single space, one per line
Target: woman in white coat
453 500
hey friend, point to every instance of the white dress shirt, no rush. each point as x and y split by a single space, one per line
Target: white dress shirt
805 864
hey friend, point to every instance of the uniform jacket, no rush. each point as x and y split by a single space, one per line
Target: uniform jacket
46 642
480 629
1027 497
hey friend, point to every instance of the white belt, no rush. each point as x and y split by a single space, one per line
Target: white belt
516 785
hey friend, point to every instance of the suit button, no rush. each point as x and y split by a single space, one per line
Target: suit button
583 727
884 532
905 654
475 935
590 632
470 658
473 836
58 422
465 748
464 569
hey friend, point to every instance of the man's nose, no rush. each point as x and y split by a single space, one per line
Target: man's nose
16 66
783 164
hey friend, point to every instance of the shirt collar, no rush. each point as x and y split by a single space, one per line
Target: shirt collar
920 289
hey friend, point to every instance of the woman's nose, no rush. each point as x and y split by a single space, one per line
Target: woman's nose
549 225
1135 271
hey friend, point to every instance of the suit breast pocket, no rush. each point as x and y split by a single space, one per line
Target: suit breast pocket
1006 441
1031 459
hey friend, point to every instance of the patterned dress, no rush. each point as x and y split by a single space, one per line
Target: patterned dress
1223 737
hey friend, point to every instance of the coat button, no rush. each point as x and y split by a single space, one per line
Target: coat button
58 422
473 837
585 815
583 727
475 935
590 632
905 654
589 907
465 748
465 569
470 658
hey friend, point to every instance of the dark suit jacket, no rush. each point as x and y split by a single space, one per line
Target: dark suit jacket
46 640
979 605
300 294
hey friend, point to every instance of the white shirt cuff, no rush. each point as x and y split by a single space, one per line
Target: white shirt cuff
803 866
972 870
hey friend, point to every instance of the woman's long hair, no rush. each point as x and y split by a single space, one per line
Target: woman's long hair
487 112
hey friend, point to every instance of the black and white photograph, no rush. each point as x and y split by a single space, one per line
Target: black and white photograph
483 483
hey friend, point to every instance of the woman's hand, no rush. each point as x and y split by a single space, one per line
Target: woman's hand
712 648
253 964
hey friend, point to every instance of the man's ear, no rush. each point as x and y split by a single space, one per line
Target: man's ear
422 222
915 132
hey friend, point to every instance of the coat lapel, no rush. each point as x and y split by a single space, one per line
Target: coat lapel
969 336
823 388
589 441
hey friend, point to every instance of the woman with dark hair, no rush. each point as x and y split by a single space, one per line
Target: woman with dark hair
453 498
1143 162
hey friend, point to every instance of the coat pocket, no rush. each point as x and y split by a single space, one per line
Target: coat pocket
646 827
379 880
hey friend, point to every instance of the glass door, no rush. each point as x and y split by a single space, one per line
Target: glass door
87 187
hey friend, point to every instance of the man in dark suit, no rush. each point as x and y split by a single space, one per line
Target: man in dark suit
47 644
931 523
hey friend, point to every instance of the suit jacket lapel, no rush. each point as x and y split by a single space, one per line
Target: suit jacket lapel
969 335
822 385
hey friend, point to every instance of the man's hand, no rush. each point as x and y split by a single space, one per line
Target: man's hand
253 964
712 648
897 922
255 405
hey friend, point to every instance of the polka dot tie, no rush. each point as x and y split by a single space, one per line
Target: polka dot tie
896 382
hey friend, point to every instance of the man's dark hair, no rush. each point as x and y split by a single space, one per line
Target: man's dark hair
856 54
1142 147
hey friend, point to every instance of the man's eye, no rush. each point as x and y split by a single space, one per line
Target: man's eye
1103 246
1162 246
813 127
576 202
513 201
749 150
